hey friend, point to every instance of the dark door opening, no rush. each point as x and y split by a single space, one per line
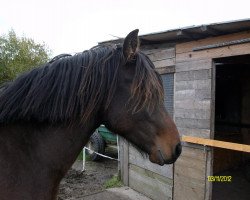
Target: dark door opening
232 124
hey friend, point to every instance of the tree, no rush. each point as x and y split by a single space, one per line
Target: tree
19 54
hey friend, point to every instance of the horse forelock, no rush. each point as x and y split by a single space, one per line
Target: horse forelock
147 89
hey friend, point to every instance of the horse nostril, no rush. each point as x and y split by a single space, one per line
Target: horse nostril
178 149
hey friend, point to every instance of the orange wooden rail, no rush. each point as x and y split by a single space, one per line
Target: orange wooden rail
216 143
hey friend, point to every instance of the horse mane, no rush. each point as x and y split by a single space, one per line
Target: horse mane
147 88
74 87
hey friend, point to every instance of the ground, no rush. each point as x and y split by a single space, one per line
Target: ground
78 184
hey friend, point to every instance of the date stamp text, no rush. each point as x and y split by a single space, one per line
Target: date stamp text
219 178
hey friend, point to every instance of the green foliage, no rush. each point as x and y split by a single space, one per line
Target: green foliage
113 182
19 54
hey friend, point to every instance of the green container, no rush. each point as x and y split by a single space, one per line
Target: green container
107 135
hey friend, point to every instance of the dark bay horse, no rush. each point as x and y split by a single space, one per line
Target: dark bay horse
48 114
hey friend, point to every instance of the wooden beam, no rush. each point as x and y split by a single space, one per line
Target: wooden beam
165 70
211 31
185 34
124 159
223 44
188 46
216 143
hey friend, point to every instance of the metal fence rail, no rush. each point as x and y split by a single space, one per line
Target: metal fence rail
102 155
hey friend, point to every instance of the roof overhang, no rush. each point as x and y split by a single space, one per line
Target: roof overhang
193 32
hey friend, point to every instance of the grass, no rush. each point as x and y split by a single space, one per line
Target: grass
113 182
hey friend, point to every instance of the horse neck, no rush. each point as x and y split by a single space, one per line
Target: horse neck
63 143
46 151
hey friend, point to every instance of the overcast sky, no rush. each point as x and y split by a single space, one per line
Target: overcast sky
75 25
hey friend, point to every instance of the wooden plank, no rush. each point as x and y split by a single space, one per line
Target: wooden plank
192 113
233 50
192 123
193 75
150 184
194 65
193 104
203 94
187 192
194 165
166 70
190 175
209 172
164 63
153 47
224 44
204 133
192 153
193 183
198 94
161 54
210 153
193 84
185 94
137 159
188 46
217 143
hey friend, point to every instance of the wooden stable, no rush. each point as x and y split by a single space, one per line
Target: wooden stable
188 60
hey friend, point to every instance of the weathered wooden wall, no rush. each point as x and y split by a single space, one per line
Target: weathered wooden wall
193 98
150 179
143 176
194 110
163 57
190 175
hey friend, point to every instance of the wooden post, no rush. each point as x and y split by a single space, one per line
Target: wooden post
123 148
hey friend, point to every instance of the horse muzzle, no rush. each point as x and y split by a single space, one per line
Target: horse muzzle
160 158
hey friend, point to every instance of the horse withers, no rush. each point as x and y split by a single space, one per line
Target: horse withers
47 115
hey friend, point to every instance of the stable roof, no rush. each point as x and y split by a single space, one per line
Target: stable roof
193 32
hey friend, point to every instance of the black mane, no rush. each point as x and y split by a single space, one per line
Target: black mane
64 89
73 87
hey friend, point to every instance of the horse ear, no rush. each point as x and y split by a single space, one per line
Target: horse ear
131 44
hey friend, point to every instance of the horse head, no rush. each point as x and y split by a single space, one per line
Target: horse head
137 110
